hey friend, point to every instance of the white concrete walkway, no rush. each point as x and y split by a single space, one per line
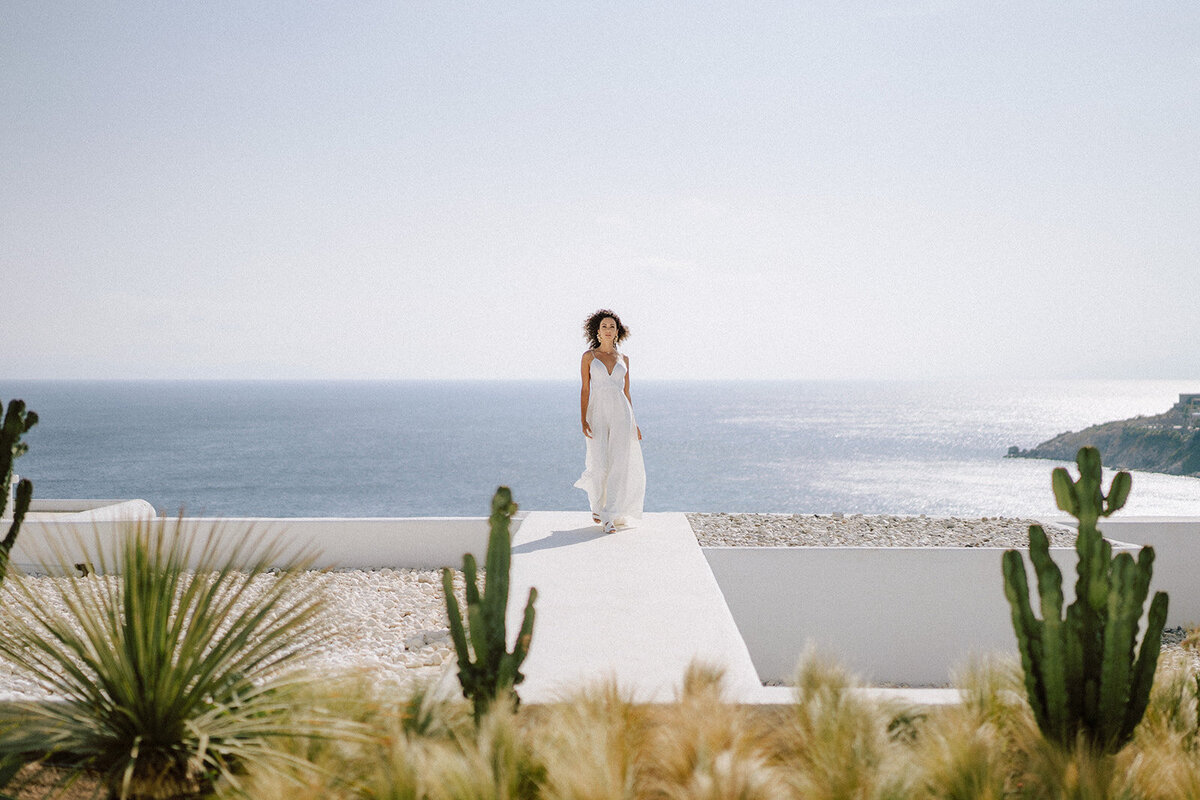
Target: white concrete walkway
638 605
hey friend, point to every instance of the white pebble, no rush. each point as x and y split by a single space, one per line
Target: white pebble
389 622
858 530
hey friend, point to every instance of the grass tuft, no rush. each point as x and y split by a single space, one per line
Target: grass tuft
834 743
172 665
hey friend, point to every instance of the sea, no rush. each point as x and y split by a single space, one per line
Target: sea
440 448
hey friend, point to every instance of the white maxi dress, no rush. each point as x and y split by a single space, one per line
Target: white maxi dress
614 476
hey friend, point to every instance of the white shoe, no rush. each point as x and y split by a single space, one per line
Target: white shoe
610 527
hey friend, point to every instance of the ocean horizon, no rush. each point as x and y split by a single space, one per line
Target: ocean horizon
287 448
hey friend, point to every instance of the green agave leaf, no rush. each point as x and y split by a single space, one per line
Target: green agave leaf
167 672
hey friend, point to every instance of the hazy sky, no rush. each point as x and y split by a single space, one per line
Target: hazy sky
444 189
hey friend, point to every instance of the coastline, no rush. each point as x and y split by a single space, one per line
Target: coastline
429 448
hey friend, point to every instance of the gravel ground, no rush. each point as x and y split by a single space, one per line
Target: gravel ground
861 530
389 623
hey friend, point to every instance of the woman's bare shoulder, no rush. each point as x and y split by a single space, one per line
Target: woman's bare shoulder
588 355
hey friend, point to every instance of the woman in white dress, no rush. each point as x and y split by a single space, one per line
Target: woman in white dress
614 476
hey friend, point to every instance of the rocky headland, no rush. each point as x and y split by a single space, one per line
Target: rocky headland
1168 442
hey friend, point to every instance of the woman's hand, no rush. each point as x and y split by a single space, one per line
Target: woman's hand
587 430
639 434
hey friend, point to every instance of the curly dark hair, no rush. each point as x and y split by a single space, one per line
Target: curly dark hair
591 327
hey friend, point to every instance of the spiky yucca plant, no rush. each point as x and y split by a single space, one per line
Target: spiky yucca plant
169 665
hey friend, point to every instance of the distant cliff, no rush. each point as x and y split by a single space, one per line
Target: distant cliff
1169 442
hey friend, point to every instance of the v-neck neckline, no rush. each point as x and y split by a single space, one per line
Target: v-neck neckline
606 369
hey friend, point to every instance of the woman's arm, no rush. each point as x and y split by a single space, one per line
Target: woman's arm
627 397
585 373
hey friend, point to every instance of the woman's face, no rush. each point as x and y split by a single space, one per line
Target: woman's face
608 329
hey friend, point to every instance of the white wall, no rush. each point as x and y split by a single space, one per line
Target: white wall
422 542
1176 543
891 615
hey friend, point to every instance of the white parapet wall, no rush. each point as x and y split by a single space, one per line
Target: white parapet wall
893 615
906 615
1176 543
67 536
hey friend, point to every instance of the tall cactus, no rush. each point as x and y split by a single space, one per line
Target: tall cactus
17 422
486 669
1080 671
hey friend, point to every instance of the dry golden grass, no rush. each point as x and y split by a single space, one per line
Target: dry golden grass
600 731
831 743
705 747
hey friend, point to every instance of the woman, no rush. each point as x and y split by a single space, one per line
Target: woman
614 476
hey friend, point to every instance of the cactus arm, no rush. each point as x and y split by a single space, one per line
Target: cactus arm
1065 495
1084 619
10 448
1054 662
509 673
477 634
1091 499
1100 585
499 562
1118 493
495 593
1027 629
1073 662
471 674
1143 672
471 576
1092 569
1143 573
1083 568
1120 630
510 667
524 636
24 496
499 553
1091 590
1091 583
1091 609
17 421
457 635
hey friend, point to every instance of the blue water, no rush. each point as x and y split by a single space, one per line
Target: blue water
441 447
